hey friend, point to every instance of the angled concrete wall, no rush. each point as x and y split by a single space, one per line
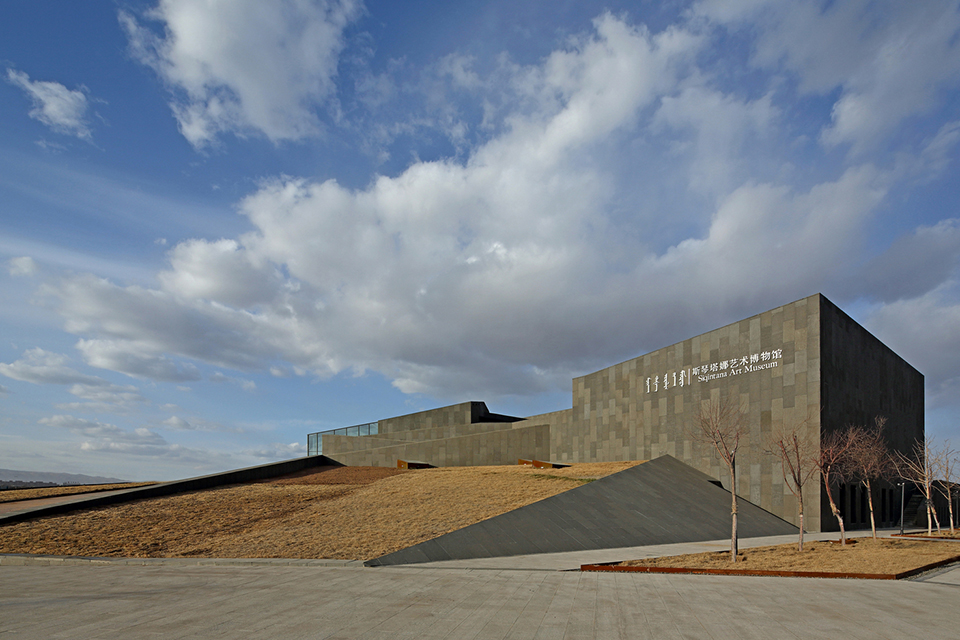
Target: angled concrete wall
658 502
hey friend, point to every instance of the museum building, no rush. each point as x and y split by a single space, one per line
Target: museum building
803 365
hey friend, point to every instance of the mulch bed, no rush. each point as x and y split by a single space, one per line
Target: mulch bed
862 558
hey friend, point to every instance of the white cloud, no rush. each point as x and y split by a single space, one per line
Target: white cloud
198 424
935 158
4 391
43 367
104 399
914 264
526 260
279 451
219 271
723 125
22 266
106 436
63 110
245 66
246 385
924 330
175 422
891 60
136 358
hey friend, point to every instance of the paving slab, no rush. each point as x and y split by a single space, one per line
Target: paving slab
264 601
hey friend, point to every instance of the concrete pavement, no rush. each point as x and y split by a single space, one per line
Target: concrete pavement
307 599
168 601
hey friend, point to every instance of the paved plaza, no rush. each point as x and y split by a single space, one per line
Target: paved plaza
48 599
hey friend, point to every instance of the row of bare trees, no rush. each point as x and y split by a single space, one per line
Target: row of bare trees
855 454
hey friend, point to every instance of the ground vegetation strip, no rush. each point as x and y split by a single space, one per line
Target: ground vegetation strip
355 513
16 495
861 555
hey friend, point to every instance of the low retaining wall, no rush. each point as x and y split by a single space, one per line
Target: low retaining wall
237 476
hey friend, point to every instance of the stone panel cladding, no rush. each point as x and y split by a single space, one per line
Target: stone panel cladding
359 443
646 407
559 422
502 446
861 378
456 414
347 444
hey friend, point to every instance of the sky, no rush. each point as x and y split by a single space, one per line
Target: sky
227 224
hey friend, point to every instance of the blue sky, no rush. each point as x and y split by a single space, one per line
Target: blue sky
224 225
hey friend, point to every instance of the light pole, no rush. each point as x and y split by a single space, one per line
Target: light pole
902 488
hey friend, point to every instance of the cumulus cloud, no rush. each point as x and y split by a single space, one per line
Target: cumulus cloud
914 264
534 256
220 271
279 451
244 66
105 398
43 367
890 60
174 422
63 110
246 385
107 437
723 126
935 157
177 423
136 358
104 438
22 266
924 330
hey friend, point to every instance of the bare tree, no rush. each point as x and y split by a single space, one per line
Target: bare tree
722 423
918 468
831 461
797 463
868 459
945 460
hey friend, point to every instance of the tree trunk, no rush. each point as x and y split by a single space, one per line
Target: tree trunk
733 512
950 503
836 514
873 523
800 498
929 514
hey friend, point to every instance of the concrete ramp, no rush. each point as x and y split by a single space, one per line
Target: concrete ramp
658 502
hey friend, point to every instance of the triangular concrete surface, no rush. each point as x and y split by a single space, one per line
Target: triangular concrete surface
661 501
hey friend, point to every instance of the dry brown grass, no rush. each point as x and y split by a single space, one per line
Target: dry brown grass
346 512
15 495
860 555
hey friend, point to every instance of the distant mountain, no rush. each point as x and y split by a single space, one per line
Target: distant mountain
12 475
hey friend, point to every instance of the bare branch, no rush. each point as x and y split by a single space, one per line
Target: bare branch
831 460
918 468
945 468
722 424
868 459
795 455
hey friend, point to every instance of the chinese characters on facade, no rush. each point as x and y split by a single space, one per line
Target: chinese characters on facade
721 369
